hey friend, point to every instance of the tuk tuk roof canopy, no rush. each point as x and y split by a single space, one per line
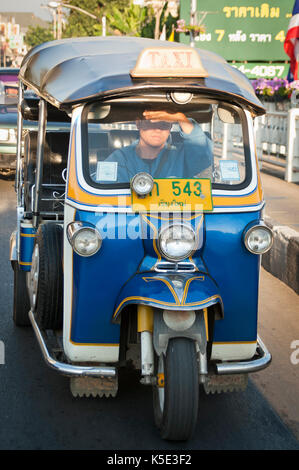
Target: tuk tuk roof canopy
76 70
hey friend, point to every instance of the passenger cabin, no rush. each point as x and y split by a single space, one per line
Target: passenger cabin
55 155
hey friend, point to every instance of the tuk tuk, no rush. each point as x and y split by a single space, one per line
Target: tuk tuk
140 231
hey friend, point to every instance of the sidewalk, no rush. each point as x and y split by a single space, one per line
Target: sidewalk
281 213
282 200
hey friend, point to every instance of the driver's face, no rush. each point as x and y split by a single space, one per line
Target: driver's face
154 137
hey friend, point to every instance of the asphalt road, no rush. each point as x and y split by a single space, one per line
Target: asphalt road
37 410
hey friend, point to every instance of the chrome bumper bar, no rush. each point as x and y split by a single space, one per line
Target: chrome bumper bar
260 362
63 368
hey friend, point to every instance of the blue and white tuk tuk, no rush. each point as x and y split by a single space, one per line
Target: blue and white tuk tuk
140 231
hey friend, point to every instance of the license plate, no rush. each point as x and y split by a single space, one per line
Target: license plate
176 195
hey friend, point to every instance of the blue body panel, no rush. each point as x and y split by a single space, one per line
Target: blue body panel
98 279
236 272
122 273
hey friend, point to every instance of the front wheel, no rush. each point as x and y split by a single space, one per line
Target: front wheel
175 395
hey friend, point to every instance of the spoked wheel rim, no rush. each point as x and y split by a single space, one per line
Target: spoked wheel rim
32 279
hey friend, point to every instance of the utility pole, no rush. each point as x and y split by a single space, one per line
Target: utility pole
59 21
54 24
193 8
104 26
58 7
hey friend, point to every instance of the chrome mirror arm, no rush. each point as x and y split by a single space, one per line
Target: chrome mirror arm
39 158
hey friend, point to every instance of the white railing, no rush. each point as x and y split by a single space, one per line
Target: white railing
277 141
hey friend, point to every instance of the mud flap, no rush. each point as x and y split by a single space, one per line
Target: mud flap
225 383
94 387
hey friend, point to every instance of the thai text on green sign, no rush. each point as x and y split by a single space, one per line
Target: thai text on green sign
241 30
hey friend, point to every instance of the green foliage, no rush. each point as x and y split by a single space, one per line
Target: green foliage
37 35
79 24
123 17
148 30
129 21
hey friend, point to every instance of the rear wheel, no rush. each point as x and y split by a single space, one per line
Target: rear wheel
45 280
21 304
175 396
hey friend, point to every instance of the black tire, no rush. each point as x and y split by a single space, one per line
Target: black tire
21 303
176 412
49 297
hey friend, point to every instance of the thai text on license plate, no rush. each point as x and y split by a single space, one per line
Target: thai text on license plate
174 195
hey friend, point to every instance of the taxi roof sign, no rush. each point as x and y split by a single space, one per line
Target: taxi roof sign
169 62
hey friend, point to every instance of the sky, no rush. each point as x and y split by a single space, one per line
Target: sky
33 6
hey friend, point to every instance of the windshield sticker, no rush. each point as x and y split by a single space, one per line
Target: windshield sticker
229 170
106 171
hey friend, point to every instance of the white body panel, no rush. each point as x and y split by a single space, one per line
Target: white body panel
233 352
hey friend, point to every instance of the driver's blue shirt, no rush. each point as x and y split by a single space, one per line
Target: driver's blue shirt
184 160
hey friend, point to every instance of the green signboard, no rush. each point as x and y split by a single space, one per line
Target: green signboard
241 30
263 70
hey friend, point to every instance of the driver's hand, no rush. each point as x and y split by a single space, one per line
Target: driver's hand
161 115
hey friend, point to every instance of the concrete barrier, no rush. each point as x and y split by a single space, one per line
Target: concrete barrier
282 261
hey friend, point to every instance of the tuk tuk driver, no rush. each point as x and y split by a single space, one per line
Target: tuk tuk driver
153 152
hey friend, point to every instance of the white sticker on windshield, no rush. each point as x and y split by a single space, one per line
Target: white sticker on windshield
106 171
229 170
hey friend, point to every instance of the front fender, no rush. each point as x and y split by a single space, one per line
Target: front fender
169 291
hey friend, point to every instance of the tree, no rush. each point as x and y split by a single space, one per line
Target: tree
156 22
142 21
79 24
123 17
37 35
130 20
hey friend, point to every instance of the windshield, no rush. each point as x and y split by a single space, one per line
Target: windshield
203 140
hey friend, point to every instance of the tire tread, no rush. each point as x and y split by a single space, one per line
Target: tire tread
50 284
179 417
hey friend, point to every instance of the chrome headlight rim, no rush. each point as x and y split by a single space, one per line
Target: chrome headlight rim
249 232
77 228
171 226
135 178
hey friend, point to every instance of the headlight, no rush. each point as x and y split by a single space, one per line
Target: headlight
179 320
86 241
142 184
177 241
258 239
